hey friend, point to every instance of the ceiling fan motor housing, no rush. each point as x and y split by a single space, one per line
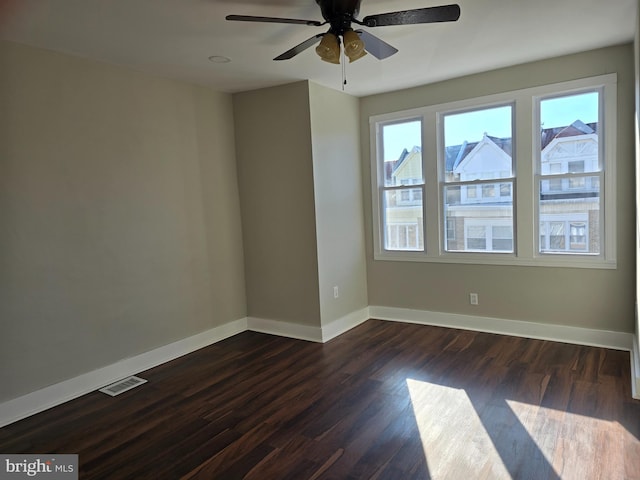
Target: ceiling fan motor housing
339 13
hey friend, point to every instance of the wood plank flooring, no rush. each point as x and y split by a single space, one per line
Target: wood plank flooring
382 401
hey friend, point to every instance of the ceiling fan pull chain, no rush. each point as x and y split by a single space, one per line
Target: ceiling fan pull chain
344 69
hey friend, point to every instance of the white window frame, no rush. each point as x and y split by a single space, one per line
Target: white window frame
381 188
525 190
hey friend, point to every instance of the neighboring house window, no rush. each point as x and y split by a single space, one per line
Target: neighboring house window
577 167
403 236
466 196
451 229
564 233
488 191
488 235
578 236
476 237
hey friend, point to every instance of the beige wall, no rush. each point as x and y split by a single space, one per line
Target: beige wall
338 202
119 212
598 299
299 172
275 173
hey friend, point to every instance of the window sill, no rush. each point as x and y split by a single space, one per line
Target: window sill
500 259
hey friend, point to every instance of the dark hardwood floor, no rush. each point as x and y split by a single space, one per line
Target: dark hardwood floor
385 400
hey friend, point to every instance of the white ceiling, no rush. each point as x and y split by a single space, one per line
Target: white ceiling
175 38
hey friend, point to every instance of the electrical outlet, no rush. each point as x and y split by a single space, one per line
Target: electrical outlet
336 292
473 298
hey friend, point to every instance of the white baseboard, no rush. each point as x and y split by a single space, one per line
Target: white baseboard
304 332
284 329
341 325
541 331
62 392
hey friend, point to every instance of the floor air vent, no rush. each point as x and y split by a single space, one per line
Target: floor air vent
123 385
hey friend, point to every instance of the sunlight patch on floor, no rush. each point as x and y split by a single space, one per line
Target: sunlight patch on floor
454 439
567 439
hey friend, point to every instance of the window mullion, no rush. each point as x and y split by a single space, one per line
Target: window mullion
433 219
525 192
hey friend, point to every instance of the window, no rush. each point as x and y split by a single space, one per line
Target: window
489 235
569 149
558 234
402 236
476 237
578 238
401 145
577 167
465 182
478 146
502 238
451 229
488 191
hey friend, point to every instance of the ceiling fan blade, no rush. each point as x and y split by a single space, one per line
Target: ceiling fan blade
299 48
250 18
375 46
444 13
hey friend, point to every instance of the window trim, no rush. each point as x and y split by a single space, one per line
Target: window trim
525 203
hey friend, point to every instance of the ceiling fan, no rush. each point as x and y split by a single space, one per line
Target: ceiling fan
340 14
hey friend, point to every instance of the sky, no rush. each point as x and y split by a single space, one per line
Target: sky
398 136
496 122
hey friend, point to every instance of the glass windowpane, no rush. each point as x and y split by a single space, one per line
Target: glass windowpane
570 206
402 153
569 134
477 243
403 220
489 217
570 218
502 244
478 144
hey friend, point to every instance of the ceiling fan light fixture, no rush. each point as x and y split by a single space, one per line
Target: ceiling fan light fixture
329 48
353 45
353 58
